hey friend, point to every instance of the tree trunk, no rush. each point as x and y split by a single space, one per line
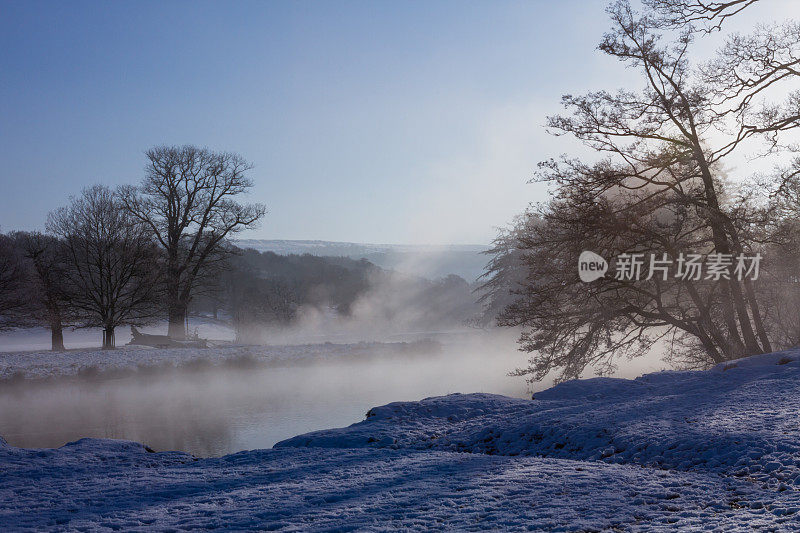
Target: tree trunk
56 328
757 319
108 338
56 338
176 307
732 298
177 322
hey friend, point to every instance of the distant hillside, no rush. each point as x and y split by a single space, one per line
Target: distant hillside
430 261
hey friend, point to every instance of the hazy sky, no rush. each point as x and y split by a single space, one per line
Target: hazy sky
391 122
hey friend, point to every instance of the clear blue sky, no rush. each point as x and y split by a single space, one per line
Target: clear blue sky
399 122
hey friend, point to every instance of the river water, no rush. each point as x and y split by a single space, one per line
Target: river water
214 411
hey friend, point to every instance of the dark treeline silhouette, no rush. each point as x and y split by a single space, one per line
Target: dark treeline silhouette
264 289
77 277
13 296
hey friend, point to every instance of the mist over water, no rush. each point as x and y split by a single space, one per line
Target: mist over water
215 410
223 410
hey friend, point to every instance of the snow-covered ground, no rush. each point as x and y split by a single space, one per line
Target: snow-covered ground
46 364
114 485
715 450
38 338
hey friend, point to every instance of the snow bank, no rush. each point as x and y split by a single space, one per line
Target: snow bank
742 422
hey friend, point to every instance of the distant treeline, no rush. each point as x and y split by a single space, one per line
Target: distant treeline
269 288
265 289
249 290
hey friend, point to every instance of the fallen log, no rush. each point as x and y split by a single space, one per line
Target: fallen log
163 341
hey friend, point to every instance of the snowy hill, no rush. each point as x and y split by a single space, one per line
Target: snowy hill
428 261
718 449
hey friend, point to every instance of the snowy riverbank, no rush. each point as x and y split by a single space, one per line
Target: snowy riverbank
697 450
93 362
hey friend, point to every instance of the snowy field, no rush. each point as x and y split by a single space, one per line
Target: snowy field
715 450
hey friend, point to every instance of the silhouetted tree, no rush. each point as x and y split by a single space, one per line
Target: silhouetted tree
659 188
46 287
186 199
112 270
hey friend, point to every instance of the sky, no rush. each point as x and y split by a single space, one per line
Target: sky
415 122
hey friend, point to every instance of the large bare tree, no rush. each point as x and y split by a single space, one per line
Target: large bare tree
187 200
112 273
658 186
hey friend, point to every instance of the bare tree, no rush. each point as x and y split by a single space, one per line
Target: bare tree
187 201
658 188
112 264
46 287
